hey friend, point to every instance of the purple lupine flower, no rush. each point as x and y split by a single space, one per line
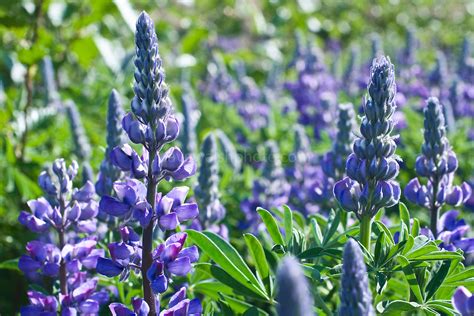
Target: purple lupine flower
372 168
437 163
108 172
251 106
463 301
314 92
40 304
355 295
294 297
270 190
304 175
42 257
451 231
80 299
169 259
125 255
151 124
180 305
334 162
172 210
130 202
140 308
207 189
219 84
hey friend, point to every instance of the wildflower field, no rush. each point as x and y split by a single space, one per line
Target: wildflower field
236 157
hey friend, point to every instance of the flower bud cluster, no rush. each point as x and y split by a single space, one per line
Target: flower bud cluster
372 167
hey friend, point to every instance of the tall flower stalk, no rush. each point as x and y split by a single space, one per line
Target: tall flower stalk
437 163
152 125
207 190
372 167
115 137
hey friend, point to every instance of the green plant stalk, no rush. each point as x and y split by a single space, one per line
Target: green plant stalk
434 207
365 231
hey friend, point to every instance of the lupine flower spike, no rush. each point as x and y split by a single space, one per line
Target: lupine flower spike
355 295
294 297
207 190
115 137
152 125
372 167
437 163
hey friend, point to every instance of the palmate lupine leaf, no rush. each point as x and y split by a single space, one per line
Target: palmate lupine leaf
261 264
272 226
229 259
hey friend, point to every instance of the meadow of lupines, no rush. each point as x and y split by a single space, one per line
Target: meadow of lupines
308 190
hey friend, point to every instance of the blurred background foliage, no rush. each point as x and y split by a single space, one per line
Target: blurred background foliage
90 44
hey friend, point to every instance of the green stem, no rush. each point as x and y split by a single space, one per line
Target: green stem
365 231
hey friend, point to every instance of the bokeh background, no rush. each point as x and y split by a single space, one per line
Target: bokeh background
91 45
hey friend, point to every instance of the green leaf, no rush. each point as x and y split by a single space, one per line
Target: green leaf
439 255
239 306
222 276
404 214
320 251
234 256
415 228
437 280
288 222
468 273
333 223
258 255
219 255
318 236
384 228
11 264
411 278
395 307
272 226
379 248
